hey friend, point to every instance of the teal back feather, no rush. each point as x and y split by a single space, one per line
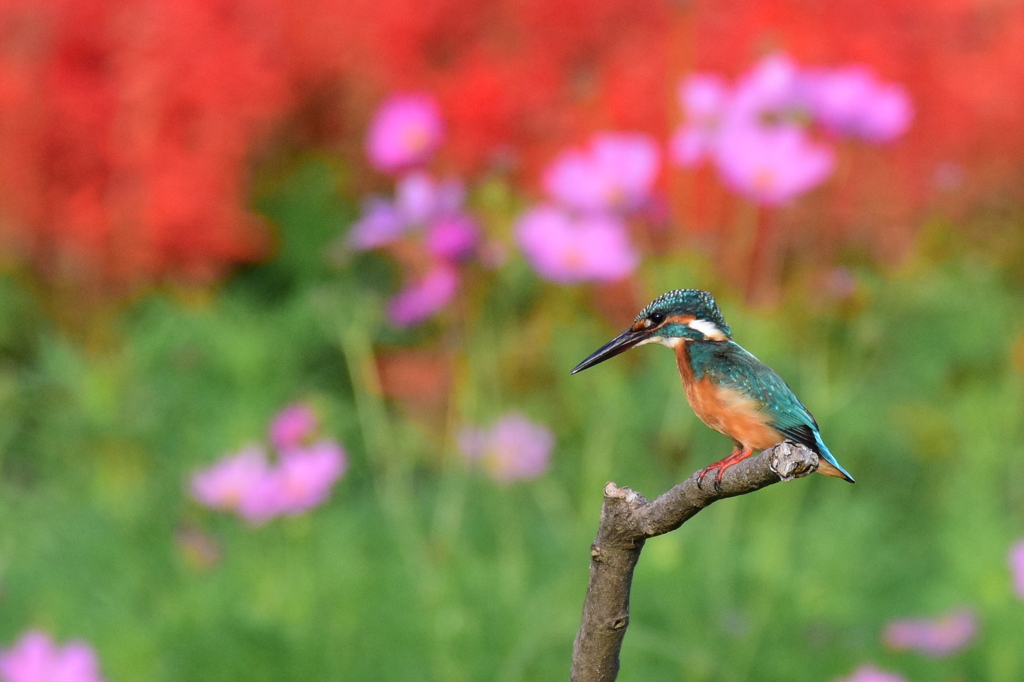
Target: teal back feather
726 363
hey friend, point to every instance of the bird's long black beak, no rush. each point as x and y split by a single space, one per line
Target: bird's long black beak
620 344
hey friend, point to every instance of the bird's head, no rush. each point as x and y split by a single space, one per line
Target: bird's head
672 318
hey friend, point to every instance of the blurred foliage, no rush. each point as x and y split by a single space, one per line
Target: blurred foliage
420 569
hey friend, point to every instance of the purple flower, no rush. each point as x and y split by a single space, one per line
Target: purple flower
425 297
37 658
1017 567
419 199
379 224
868 673
772 166
228 482
404 132
292 425
617 172
934 637
420 204
513 449
566 249
434 211
852 101
453 237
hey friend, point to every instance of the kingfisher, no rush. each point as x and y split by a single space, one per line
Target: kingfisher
728 388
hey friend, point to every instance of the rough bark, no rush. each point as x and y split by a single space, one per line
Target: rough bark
628 519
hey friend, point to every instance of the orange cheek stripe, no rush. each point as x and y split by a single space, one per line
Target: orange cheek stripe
678 319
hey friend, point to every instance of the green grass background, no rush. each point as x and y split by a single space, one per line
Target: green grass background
420 569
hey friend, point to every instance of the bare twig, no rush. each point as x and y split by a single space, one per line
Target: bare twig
628 519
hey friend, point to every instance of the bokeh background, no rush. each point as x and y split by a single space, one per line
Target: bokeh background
179 180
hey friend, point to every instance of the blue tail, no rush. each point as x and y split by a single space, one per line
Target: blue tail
823 451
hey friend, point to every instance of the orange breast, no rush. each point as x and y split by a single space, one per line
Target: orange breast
725 410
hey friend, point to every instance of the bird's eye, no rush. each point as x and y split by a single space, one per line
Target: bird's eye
654 319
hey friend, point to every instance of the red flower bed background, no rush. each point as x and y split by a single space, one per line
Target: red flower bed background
129 129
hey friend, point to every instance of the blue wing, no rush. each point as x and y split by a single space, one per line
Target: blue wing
729 364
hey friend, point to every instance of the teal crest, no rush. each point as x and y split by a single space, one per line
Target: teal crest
696 302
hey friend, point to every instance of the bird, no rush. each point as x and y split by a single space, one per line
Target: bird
728 388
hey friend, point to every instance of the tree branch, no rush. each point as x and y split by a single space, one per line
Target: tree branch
628 519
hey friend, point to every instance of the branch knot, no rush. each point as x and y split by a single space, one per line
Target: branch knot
790 460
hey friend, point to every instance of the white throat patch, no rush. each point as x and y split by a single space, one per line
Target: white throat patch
707 328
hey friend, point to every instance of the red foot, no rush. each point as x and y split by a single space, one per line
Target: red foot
735 458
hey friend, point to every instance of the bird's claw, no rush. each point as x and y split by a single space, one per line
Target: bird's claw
735 458
718 477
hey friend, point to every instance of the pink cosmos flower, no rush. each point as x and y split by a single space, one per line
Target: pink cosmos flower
379 224
773 165
934 637
424 298
691 145
37 658
615 173
453 237
230 481
301 480
867 673
306 475
257 490
852 101
420 204
889 114
770 90
515 448
757 132
420 199
751 134
292 425
404 132
1017 568
262 499
434 211
566 249
704 98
